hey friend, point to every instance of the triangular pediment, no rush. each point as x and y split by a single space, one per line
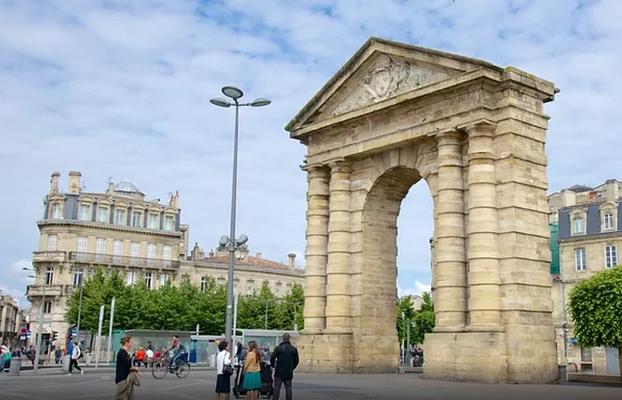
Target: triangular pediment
379 71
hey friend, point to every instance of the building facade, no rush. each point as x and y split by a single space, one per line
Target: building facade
120 230
588 225
11 319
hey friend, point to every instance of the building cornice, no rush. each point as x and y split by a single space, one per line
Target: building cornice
108 227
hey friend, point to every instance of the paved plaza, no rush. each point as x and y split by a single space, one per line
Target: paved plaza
200 385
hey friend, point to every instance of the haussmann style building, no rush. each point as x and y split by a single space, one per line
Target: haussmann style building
586 232
144 240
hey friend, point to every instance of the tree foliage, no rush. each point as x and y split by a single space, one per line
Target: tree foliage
421 321
596 309
180 307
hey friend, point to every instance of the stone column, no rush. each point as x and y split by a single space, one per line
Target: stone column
338 312
483 254
450 271
316 256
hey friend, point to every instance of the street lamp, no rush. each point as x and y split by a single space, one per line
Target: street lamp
231 242
80 307
40 328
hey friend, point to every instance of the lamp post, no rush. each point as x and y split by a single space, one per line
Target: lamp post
232 243
80 307
40 327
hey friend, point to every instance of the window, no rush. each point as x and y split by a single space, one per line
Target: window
163 279
82 247
134 253
137 219
151 253
579 225
78 277
586 359
608 221
85 212
611 256
204 283
169 223
120 217
100 248
117 251
148 276
579 258
55 211
152 221
52 243
47 307
167 255
49 276
102 214
131 278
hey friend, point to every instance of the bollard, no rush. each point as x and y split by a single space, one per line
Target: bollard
15 367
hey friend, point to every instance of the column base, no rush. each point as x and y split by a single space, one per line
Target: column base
466 356
325 353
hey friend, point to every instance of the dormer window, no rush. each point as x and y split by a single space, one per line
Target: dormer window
120 217
152 221
102 214
169 223
608 221
137 219
578 224
55 211
85 212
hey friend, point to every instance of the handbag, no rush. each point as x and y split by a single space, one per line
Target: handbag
227 370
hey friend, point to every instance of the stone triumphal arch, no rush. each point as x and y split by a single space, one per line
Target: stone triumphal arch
396 114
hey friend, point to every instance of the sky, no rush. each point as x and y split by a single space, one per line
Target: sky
121 90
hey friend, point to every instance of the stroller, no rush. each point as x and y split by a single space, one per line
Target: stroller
266 381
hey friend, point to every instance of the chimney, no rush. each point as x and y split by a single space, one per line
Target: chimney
258 255
612 190
292 260
74 182
54 182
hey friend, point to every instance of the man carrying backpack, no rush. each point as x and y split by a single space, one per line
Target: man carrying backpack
285 360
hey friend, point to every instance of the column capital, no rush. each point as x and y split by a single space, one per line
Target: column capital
449 136
340 165
317 170
480 127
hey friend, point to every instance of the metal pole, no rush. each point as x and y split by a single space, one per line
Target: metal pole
266 319
232 244
99 334
235 320
408 341
80 308
112 304
40 331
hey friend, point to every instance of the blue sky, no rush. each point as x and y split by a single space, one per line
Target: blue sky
122 89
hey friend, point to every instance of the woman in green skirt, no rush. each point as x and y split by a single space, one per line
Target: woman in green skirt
252 377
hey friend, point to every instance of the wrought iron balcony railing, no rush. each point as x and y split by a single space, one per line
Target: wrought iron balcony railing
122 261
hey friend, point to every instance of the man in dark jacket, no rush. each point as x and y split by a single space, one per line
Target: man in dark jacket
284 360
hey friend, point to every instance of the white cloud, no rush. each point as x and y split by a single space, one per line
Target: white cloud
13 280
122 89
417 289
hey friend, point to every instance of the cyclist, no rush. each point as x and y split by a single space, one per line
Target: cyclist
178 350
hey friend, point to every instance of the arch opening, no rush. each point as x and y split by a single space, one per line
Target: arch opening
379 290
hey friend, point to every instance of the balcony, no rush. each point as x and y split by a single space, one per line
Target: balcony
49 256
50 290
122 261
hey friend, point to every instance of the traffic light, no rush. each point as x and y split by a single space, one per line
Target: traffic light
54 336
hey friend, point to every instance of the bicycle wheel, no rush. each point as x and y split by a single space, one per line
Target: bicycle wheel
183 370
159 369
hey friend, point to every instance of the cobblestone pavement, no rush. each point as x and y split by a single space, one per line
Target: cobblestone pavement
200 385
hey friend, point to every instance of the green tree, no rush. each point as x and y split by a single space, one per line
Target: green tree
424 320
405 312
596 309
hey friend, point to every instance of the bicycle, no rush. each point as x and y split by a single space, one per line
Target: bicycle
163 366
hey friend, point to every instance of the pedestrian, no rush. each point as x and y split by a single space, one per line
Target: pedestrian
284 360
58 355
31 354
76 353
5 357
140 357
149 354
223 371
126 375
252 376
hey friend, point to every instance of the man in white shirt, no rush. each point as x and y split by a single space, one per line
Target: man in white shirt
75 355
